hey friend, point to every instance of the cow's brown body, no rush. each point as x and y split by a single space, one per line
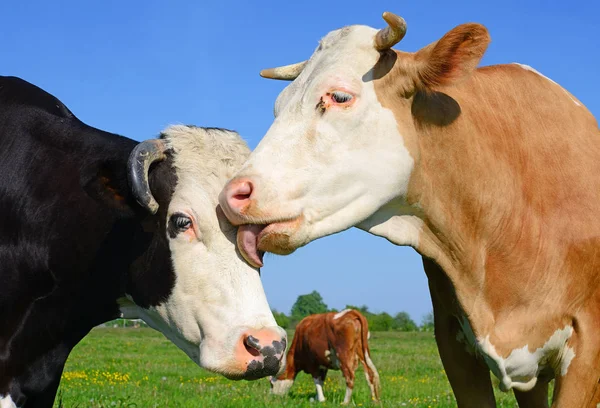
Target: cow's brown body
492 174
330 341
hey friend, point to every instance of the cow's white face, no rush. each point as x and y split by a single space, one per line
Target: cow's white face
216 311
345 142
333 155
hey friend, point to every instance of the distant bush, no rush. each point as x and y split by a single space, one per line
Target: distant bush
309 304
403 322
427 322
312 303
282 320
380 322
384 322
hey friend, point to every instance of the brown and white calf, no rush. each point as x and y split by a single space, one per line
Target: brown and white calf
329 341
492 174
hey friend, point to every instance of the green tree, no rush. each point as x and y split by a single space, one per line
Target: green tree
427 322
282 320
403 322
308 304
380 322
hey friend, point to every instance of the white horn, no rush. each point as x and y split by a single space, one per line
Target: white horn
285 73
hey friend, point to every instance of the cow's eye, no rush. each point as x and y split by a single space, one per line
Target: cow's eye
180 222
341 97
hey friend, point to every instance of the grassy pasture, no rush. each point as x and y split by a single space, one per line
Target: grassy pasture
118 368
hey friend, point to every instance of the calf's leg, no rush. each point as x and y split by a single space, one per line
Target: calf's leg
319 380
348 370
372 378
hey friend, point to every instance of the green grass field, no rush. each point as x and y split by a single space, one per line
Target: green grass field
117 368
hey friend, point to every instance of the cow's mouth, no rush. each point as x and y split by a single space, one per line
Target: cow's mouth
255 239
247 241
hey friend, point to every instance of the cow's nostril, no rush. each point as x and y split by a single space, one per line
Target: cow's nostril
252 352
242 191
252 345
241 197
236 199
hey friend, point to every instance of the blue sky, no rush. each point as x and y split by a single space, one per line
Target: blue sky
134 67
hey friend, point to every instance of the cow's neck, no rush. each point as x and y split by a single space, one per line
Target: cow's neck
506 209
84 295
39 365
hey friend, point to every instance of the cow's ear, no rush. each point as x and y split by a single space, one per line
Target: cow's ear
106 182
453 57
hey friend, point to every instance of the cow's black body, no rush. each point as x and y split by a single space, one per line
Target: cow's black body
72 238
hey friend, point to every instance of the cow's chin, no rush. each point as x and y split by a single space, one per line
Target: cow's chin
214 357
220 360
231 371
281 238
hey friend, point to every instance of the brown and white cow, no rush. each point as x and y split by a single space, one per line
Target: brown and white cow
492 174
329 341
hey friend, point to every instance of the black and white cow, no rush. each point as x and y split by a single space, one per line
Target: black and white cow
94 226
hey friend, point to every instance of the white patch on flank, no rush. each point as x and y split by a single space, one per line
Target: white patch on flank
281 387
7 402
528 68
348 396
520 369
340 314
332 357
319 386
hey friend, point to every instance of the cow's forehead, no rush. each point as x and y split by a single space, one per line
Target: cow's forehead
346 53
203 160
355 36
205 157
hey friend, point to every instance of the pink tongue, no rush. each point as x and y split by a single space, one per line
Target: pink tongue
247 240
